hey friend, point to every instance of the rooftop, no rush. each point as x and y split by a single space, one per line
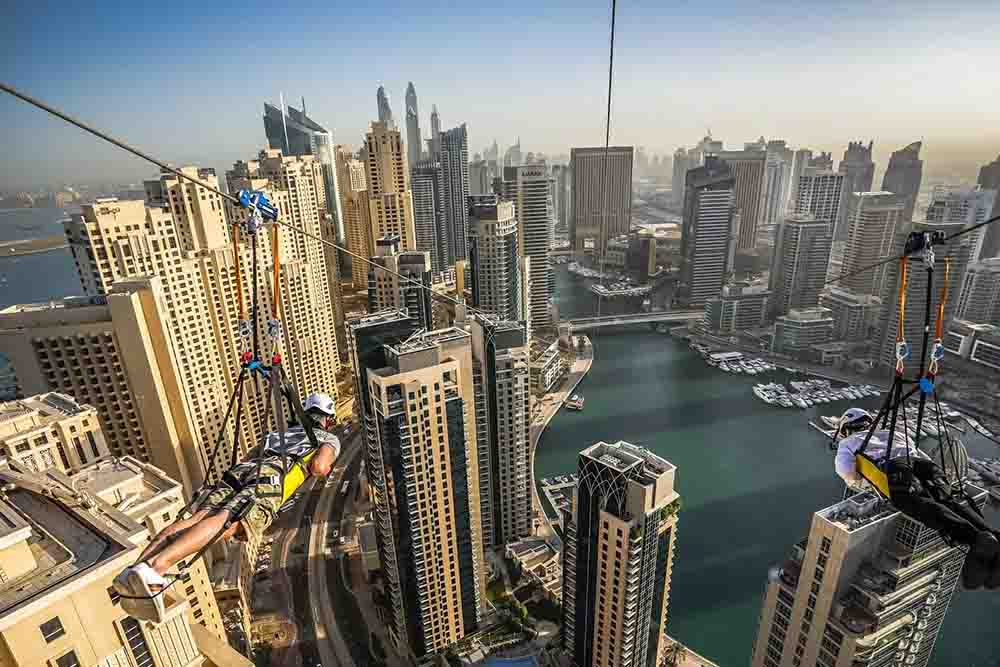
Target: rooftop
858 511
65 303
623 456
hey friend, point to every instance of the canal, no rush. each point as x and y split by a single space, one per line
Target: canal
750 476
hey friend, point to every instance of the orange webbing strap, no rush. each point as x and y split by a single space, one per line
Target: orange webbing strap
275 254
902 349
943 299
239 273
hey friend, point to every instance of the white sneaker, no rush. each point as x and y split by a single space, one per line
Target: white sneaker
139 600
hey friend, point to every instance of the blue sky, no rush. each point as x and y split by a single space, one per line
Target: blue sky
187 80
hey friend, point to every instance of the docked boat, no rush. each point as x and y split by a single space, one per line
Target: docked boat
575 402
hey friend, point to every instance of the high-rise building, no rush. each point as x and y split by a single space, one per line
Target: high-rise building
454 158
796 332
874 221
50 430
528 188
563 175
414 142
855 316
968 206
682 162
819 192
602 197
868 586
859 172
427 186
61 549
499 272
708 232
480 180
959 254
412 292
739 307
417 403
131 377
798 266
618 555
150 498
989 179
390 202
512 158
902 176
778 179
749 171
384 111
800 160
352 188
502 375
434 143
979 299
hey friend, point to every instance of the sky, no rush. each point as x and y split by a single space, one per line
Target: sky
187 81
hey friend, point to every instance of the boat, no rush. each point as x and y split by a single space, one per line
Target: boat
830 421
575 403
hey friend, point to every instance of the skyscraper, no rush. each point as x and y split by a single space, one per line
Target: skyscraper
859 172
353 193
967 206
414 142
384 111
498 269
427 185
989 179
480 181
800 160
617 557
434 143
602 197
563 175
959 254
417 403
708 232
528 188
979 298
386 290
512 158
798 267
869 586
902 176
390 202
819 192
502 378
454 158
874 221
749 171
682 162
777 180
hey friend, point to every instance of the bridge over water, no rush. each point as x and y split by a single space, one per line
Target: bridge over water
667 316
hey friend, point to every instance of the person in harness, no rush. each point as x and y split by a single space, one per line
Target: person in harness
241 505
918 487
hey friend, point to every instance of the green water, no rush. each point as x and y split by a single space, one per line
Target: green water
750 476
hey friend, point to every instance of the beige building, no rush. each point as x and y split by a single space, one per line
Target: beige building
390 202
528 188
112 353
153 500
602 197
617 557
869 586
749 170
412 292
352 189
59 553
874 224
50 430
417 399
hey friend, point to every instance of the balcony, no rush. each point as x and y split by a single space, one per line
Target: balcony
790 573
854 615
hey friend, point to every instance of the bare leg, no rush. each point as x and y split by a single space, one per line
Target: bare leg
168 533
189 542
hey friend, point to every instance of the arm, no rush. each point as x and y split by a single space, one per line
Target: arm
322 463
844 462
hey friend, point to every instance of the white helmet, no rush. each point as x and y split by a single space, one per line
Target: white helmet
321 402
852 421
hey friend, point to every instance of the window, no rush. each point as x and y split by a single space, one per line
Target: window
52 630
136 642
113 594
67 660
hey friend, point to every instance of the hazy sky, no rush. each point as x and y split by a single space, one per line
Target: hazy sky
188 80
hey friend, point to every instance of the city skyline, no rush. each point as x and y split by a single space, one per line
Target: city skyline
657 52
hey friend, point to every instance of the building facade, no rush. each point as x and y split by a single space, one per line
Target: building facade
749 172
798 267
798 331
874 223
390 202
602 197
819 193
502 378
528 188
352 189
709 232
868 586
427 185
740 307
859 173
414 142
411 293
617 557
418 413
967 206
979 298
902 176
499 272
454 158
989 179
855 316
50 430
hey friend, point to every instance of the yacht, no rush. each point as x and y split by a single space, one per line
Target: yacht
575 402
